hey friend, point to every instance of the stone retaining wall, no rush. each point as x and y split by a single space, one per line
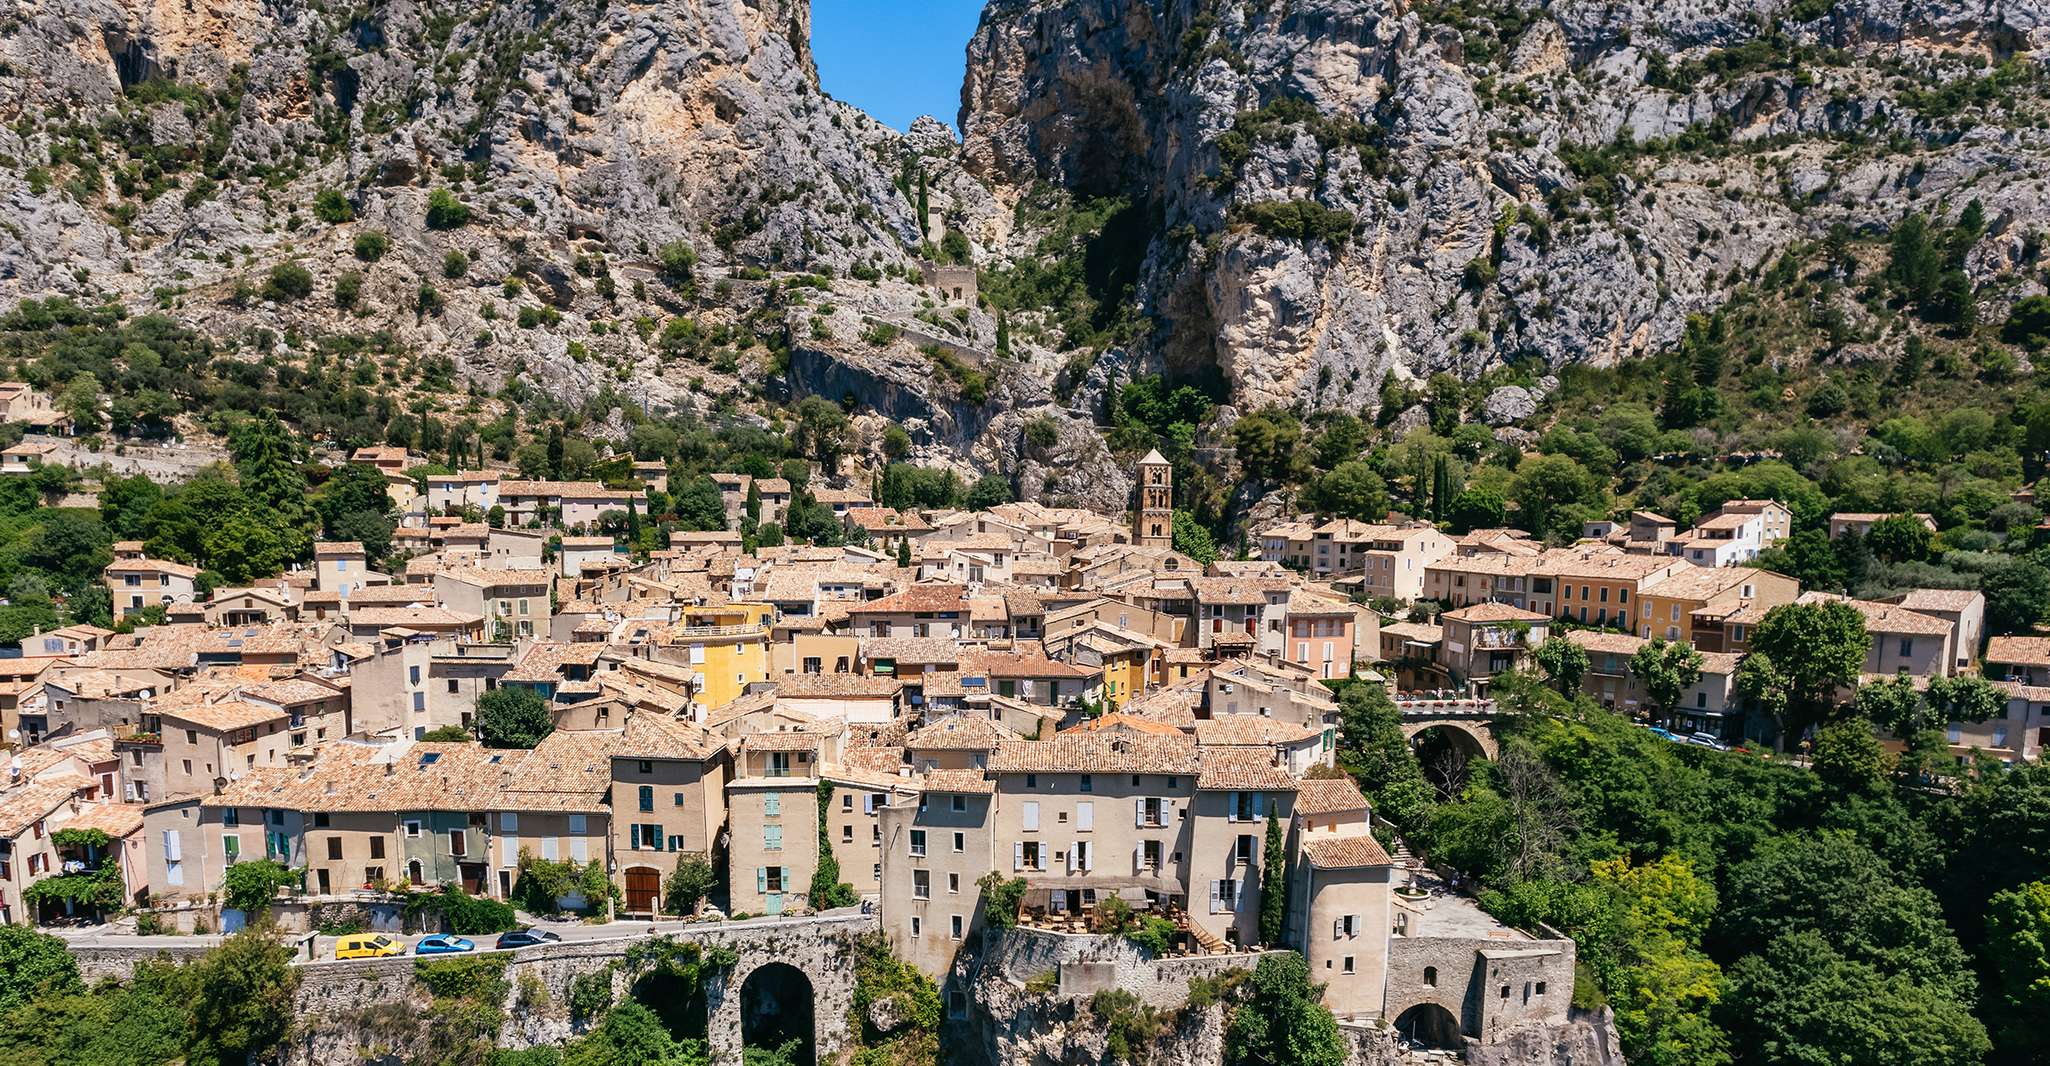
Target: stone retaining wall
1087 963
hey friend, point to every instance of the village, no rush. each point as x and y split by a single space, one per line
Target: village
951 714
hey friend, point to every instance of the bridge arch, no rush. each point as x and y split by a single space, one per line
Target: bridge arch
1431 1025
1476 734
776 1008
820 953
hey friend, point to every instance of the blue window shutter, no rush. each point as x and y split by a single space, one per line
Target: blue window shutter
761 879
633 833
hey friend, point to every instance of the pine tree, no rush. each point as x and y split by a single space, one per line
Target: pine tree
924 226
555 450
1273 886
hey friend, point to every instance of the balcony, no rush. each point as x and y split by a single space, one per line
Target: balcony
753 630
1492 639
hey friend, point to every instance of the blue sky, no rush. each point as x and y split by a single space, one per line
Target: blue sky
895 59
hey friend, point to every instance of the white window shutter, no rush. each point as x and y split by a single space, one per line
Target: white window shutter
172 851
1071 858
1031 816
1139 812
1085 815
1138 858
1018 855
1216 896
1337 928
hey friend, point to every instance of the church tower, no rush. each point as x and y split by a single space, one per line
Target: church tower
1155 528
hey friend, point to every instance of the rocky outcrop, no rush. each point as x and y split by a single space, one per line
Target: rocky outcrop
1352 188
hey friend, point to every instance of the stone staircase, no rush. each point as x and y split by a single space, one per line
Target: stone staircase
1210 943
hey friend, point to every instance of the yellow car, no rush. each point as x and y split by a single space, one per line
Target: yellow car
367 946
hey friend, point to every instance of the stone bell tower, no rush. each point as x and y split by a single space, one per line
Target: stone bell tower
1155 527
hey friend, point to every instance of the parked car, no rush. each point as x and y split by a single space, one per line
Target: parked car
1664 734
1707 740
367 946
443 944
526 938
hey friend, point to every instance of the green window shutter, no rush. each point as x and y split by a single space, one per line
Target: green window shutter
761 879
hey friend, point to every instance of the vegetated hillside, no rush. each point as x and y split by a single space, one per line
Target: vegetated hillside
1735 912
1305 197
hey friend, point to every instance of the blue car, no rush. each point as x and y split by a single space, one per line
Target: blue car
442 944
1666 734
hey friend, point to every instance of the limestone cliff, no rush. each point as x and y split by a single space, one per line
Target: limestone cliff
1343 188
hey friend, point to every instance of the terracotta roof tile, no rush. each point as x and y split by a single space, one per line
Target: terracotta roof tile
1344 853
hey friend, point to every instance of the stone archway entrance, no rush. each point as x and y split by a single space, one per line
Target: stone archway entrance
1430 1025
776 1009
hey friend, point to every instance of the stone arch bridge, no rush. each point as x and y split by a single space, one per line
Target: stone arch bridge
1470 722
333 996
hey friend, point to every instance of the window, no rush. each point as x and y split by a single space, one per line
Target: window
918 842
334 848
772 805
1348 964
1224 896
1088 783
921 884
954 884
847 801
1540 988
1505 992
578 825
377 847
230 816
957 803
1346 926
647 797
1028 815
454 686
960 842
1430 977
1243 853
1954 734
646 766
412 828
772 838
956 926
846 834
1907 646
509 822
917 927
458 842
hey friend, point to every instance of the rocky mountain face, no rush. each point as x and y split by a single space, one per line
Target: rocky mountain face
166 153
1343 189
1297 197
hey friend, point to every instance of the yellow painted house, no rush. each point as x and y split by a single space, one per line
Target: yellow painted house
727 646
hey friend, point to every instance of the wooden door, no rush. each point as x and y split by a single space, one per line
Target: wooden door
642 886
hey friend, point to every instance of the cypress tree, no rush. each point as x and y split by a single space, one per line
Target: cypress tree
1273 886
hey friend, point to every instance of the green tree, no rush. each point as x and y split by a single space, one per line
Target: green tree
1914 264
444 211
2017 596
512 716
1350 490
904 552
1830 884
331 207
1900 538
1896 705
1812 650
1267 443
1282 1021
1563 662
1547 490
1802 1002
989 490
689 884
699 506
33 964
1666 669
1848 758
243 1004
1477 508
250 885
827 890
248 545
1193 539
80 401
1372 748
1273 885
2017 954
